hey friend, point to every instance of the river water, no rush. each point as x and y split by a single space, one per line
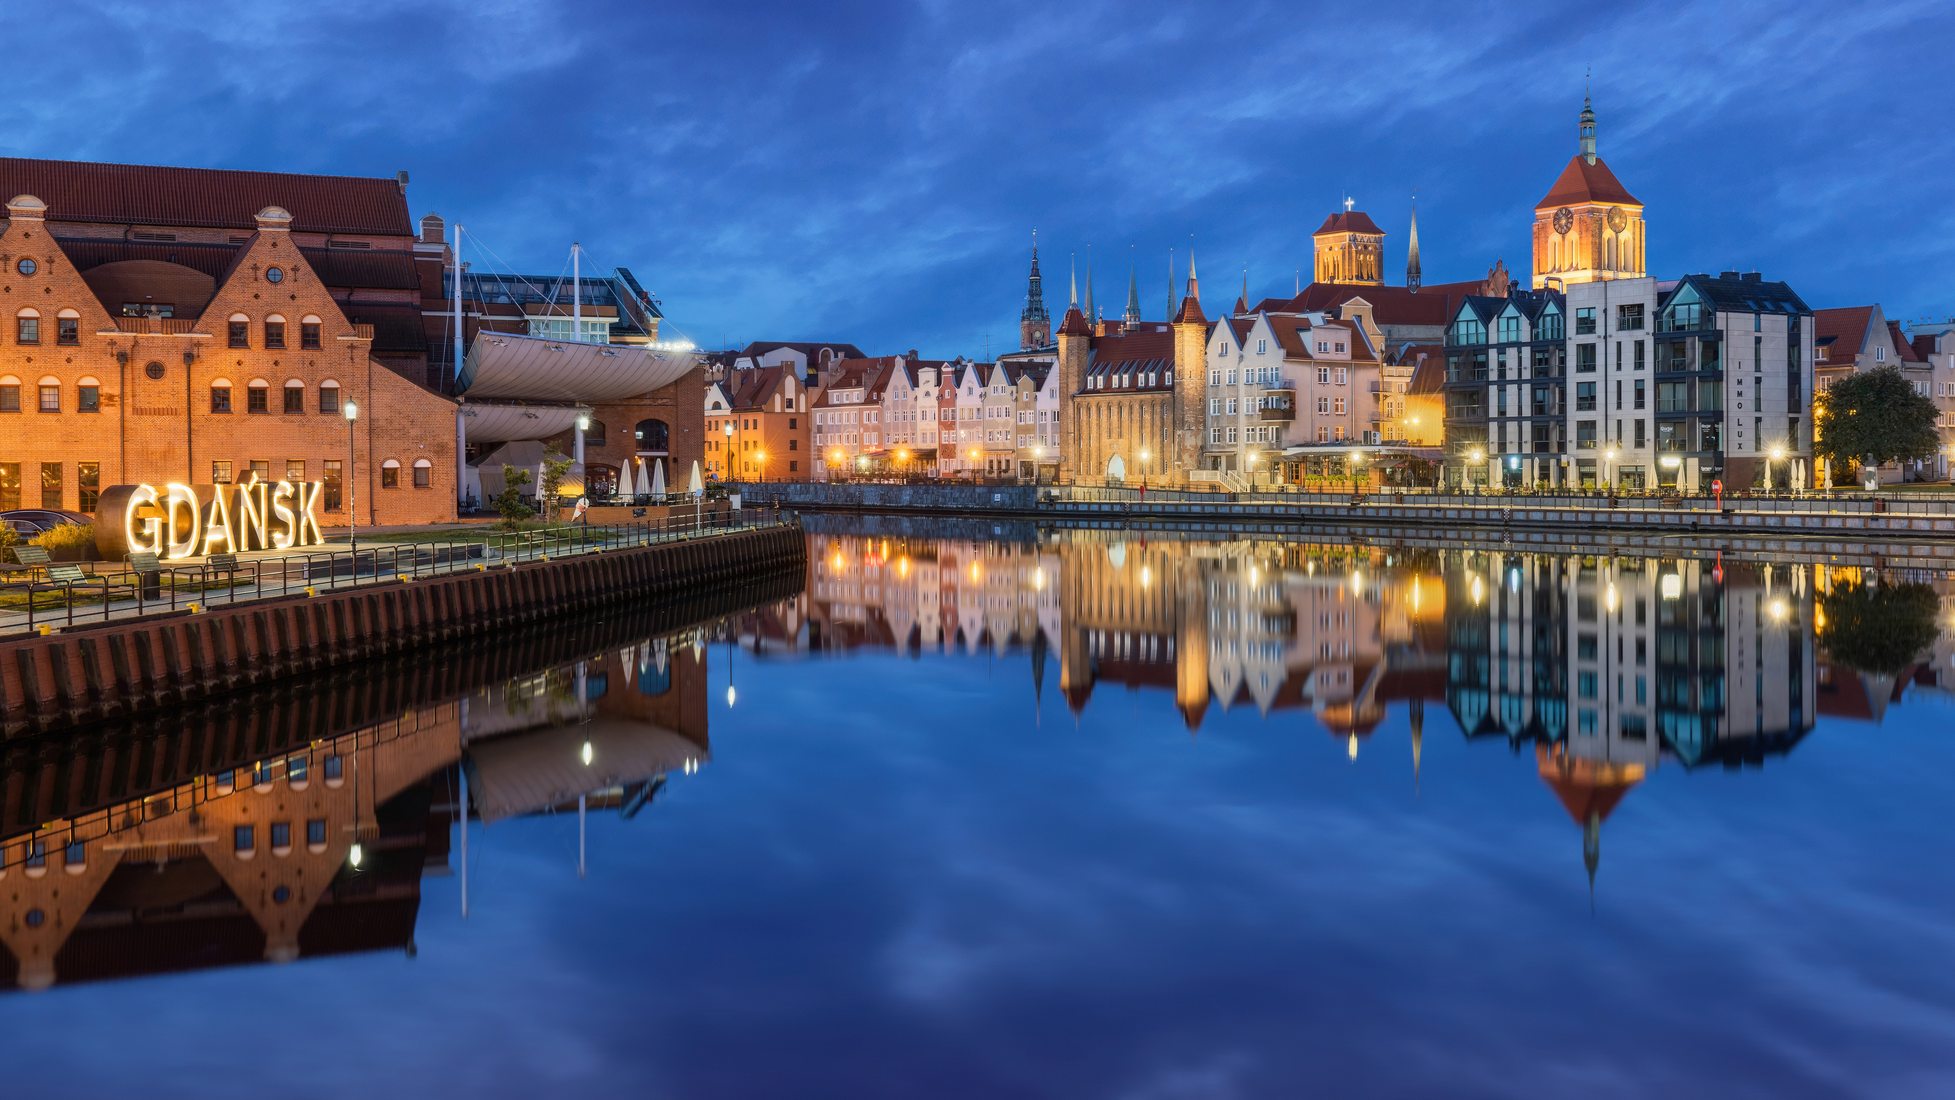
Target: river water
1025 813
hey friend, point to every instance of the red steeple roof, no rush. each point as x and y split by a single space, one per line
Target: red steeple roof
1348 221
1586 181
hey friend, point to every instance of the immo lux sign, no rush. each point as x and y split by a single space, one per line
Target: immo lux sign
182 521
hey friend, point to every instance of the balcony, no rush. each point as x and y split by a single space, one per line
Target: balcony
1277 409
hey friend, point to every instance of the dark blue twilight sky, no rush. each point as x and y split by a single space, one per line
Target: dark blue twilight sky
870 171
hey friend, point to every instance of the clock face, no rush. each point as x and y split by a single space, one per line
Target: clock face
26 267
1617 219
274 275
1564 220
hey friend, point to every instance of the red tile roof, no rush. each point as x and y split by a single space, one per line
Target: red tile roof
1908 352
1842 331
1433 304
85 191
1585 182
371 268
1354 221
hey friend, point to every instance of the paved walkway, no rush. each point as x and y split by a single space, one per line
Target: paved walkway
272 574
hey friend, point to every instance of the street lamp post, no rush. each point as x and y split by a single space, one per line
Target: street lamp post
352 412
1143 468
1776 454
727 470
1609 466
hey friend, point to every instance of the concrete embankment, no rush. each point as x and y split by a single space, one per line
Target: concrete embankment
1849 518
128 667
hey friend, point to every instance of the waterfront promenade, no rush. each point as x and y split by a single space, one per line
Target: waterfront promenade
1847 516
31 603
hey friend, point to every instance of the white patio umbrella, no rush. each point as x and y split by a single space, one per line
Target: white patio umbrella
543 506
658 477
644 483
698 490
624 482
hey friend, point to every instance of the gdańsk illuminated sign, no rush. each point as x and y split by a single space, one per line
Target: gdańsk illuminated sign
184 521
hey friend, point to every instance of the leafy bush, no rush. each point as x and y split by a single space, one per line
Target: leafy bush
9 538
66 540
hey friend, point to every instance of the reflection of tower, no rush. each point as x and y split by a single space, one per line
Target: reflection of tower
1589 790
1038 674
1190 643
1416 713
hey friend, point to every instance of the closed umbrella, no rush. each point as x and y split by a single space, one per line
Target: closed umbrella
658 479
542 504
644 483
624 482
698 490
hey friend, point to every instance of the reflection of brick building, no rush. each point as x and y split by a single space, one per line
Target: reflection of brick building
172 324
244 866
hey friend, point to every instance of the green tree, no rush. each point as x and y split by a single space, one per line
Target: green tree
510 503
1875 413
1878 628
555 469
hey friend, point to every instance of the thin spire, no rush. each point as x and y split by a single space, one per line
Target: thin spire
1092 317
1412 275
1034 323
1132 317
1170 313
1299 280
1242 303
1073 301
1194 285
1587 122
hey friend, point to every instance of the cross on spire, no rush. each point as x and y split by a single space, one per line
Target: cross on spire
1349 202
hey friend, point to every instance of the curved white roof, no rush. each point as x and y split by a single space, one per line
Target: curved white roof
534 368
527 773
490 422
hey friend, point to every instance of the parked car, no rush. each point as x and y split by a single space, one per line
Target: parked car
29 522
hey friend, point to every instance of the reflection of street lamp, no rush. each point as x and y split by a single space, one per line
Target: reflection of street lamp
352 412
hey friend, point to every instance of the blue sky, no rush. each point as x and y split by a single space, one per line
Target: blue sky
871 171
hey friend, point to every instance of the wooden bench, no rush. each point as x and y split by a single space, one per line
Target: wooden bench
66 575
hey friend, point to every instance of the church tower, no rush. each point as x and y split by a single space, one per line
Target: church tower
1413 276
1589 227
1034 324
1349 248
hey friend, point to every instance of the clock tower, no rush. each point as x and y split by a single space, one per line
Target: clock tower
1589 227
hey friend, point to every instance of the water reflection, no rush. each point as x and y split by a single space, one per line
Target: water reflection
304 825
320 849
1599 669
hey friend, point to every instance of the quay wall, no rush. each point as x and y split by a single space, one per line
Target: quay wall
125 667
1843 519
89 769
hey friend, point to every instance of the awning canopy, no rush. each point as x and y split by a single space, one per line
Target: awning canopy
510 367
524 773
498 423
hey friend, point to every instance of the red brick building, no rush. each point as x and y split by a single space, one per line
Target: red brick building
196 325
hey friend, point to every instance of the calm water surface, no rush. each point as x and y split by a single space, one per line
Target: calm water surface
1085 815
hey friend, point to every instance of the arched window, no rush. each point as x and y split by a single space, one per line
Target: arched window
594 435
240 330
27 327
390 474
88 394
329 397
50 394
652 437
258 396
294 395
9 393
220 396
274 331
423 473
67 328
309 333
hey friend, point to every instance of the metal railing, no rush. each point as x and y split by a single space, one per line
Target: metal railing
112 591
